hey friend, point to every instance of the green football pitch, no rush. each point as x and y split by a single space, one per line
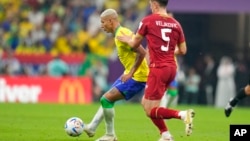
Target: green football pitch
45 122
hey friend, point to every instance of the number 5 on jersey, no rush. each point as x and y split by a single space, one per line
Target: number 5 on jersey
165 38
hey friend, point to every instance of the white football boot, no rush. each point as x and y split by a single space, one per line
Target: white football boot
107 138
188 120
170 138
88 131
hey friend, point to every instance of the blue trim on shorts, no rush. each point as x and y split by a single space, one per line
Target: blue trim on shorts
173 84
130 88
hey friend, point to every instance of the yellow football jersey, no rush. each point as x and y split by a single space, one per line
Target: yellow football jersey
127 56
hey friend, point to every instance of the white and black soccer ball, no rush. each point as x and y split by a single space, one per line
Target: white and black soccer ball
74 126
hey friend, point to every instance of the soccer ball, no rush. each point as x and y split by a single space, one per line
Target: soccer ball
74 126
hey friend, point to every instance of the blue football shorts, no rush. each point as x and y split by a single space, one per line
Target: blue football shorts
129 88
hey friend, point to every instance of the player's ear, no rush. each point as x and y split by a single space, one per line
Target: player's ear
110 20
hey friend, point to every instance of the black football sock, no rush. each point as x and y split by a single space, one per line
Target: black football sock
240 95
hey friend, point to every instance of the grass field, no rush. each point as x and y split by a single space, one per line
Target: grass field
45 122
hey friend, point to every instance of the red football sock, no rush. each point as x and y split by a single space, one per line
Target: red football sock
160 124
164 113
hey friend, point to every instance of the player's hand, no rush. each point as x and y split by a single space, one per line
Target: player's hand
125 38
126 77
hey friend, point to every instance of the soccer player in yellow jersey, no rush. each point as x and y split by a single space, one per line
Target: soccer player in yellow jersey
131 82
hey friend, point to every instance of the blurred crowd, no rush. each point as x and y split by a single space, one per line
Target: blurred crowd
212 81
66 27
60 26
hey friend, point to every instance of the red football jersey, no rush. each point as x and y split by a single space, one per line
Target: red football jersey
163 33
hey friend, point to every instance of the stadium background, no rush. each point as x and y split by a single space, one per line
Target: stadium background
33 32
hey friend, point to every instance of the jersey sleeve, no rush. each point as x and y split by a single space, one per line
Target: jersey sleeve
182 36
122 30
142 29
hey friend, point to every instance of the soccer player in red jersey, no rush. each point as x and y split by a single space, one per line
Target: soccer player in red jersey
163 34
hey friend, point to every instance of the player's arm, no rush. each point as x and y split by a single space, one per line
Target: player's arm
140 54
147 55
135 41
132 41
181 49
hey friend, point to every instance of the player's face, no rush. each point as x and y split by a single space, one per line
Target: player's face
106 24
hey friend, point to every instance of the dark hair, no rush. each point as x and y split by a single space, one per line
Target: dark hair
162 3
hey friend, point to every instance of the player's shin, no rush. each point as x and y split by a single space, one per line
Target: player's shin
96 120
109 114
160 124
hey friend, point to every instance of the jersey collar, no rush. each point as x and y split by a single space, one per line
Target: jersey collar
116 30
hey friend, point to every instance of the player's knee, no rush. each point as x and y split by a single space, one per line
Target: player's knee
106 103
147 111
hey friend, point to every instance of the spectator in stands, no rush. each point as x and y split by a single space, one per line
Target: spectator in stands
209 79
38 33
36 16
10 65
58 8
47 42
57 67
226 87
192 83
93 27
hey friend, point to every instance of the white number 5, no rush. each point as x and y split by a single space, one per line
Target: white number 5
165 38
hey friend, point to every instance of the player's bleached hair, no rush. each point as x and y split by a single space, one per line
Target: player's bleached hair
109 13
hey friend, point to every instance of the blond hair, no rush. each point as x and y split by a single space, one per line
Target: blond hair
109 13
